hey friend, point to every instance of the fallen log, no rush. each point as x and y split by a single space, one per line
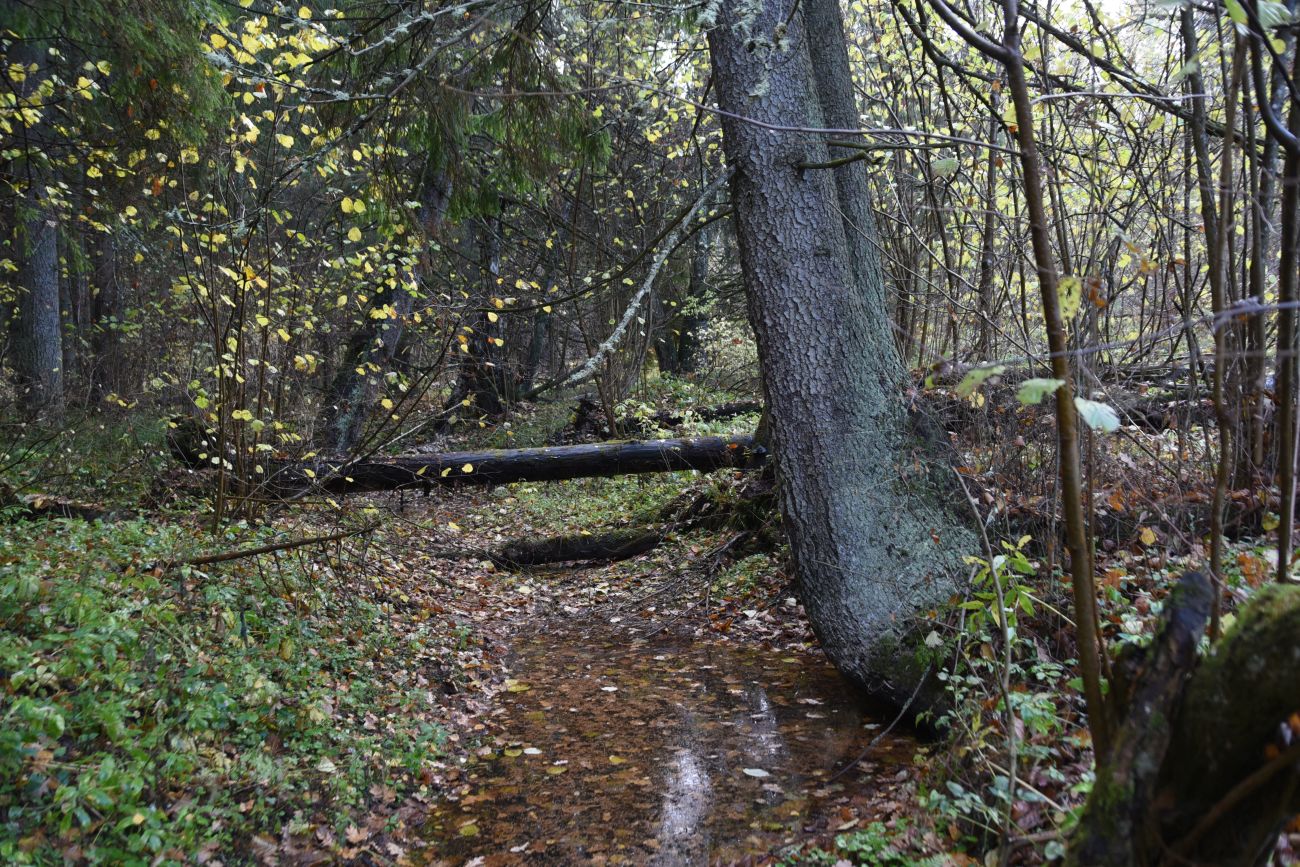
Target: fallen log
610 547
503 466
750 509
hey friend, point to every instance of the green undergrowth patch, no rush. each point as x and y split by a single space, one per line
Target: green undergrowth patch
683 393
149 714
98 457
876 845
530 428
756 574
583 504
687 398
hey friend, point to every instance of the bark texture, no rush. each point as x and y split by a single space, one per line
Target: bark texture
1114 830
502 466
1202 769
871 535
38 330
1236 713
37 353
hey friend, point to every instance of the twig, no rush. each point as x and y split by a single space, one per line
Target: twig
889 728
1004 686
240 553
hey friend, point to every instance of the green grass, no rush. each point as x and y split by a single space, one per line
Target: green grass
146 716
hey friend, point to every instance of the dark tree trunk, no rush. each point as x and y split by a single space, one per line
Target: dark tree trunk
692 320
678 327
540 340
483 379
871 536
666 336
373 345
1114 830
38 329
73 294
105 318
1203 769
1228 731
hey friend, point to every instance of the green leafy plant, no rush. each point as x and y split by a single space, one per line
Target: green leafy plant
1003 571
149 714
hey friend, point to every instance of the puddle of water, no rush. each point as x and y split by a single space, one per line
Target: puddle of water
667 751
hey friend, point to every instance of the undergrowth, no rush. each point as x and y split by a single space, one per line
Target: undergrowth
876 845
100 457
150 714
583 504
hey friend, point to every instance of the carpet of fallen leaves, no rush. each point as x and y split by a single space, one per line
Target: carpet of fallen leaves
427 565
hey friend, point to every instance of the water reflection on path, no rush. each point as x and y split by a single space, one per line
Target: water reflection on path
668 751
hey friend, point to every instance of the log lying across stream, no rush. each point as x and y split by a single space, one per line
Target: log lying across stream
502 466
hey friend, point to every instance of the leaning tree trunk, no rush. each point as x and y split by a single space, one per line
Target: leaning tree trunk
872 541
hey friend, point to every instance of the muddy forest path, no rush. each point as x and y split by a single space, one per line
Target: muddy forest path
661 710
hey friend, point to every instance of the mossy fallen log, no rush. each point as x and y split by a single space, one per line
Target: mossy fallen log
503 466
607 547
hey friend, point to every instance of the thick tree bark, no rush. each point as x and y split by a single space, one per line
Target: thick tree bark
38 330
1230 729
503 466
1113 830
871 536
1205 774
